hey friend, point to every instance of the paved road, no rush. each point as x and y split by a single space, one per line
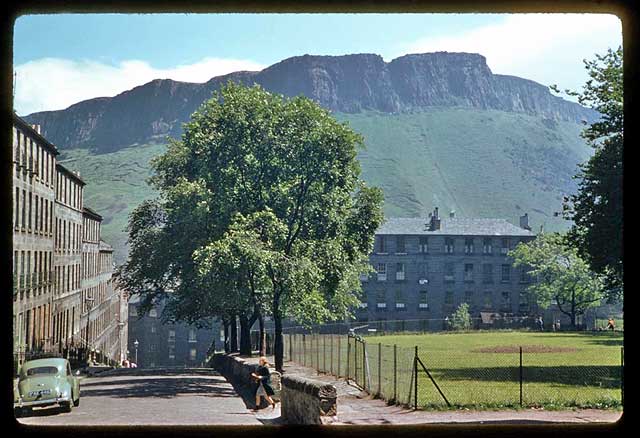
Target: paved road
153 398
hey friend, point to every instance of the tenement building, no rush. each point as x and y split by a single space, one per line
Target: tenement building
61 268
424 269
153 343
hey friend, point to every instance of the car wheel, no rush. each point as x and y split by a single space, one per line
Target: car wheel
76 403
67 407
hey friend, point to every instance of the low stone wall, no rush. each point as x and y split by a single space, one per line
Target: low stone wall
303 400
307 401
233 368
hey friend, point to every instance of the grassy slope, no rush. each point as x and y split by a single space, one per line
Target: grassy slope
588 376
479 163
116 184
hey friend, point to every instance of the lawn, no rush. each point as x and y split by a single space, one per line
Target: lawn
482 369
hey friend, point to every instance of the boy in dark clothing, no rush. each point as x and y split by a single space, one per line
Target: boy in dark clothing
263 377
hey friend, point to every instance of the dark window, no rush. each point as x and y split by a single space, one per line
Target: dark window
42 370
400 246
448 297
468 272
506 301
381 244
448 245
423 246
423 304
449 272
487 246
468 246
506 273
400 271
505 246
487 273
382 271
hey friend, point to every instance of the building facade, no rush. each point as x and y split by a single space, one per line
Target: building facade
167 345
424 269
61 268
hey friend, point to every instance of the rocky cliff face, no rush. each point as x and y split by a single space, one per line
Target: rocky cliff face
350 84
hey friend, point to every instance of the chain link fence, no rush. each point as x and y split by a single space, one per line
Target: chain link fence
518 376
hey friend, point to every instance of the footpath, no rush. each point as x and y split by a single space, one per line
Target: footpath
356 407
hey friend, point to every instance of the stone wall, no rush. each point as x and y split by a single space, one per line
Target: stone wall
303 400
307 401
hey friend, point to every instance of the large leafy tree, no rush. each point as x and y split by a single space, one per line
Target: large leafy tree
562 277
255 167
597 209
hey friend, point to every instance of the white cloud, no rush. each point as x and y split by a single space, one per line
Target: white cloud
52 83
546 48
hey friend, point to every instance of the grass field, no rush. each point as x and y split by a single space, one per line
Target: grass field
481 369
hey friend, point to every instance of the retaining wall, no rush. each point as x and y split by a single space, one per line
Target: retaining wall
303 400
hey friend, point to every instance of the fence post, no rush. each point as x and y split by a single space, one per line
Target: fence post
348 359
339 354
364 366
520 376
622 376
331 361
395 373
379 369
318 352
304 349
324 354
291 347
415 383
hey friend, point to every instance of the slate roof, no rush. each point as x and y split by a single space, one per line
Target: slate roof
452 227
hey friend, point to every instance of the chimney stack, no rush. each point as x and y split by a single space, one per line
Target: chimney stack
452 214
524 222
434 223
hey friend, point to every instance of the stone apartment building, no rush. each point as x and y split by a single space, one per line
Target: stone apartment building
61 268
426 268
167 345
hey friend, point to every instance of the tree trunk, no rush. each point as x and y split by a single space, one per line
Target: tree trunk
262 336
227 342
233 328
278 347
245 335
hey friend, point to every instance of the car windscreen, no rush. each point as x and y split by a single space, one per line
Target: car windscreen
37 371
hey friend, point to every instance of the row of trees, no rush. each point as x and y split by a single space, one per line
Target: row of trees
260 212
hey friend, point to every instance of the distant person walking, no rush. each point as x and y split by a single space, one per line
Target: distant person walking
611 325
540 323
263 377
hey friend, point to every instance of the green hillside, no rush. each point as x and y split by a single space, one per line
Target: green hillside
116 184
479 163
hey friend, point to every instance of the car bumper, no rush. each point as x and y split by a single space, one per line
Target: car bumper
42 403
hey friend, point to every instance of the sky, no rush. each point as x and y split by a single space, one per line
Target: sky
62 59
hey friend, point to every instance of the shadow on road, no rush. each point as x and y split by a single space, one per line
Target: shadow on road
156 387
40 412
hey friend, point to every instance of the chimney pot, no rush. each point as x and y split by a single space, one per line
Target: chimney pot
452 214
524 222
